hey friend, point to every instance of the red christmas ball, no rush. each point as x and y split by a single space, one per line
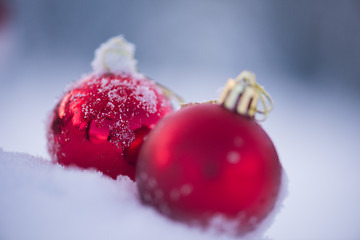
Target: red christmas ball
101 122
204 161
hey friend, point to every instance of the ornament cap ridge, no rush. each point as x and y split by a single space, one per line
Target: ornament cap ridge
242 96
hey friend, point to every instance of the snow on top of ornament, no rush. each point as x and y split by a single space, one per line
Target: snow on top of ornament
116 55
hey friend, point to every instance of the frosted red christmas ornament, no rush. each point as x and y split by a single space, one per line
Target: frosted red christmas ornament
211 161
101 121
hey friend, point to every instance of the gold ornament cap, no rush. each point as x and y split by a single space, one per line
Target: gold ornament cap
245 96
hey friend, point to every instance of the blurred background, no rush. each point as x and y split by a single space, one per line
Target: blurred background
305 53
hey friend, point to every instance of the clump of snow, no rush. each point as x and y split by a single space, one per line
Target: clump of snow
40 200
146 96
116 56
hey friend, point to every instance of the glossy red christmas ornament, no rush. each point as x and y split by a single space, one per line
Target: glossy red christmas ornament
209 160
101 121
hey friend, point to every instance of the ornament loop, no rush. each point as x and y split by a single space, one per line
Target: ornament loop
242 95
171 95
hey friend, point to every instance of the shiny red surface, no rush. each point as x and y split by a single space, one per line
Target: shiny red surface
205 160
101 122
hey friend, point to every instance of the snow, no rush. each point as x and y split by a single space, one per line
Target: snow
146 97
142 89
115 55
40 200
313 126
233 157
88 95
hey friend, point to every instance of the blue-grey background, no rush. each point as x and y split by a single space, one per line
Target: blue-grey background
305 53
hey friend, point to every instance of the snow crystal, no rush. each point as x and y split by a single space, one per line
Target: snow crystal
146 97
186 189
104 82
238 141
233 157
115 96
41 200
174 194
116 56
152 183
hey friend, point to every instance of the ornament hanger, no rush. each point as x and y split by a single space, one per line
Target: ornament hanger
171 95
242 95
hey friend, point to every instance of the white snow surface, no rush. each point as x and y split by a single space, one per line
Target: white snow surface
116 56
41 200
